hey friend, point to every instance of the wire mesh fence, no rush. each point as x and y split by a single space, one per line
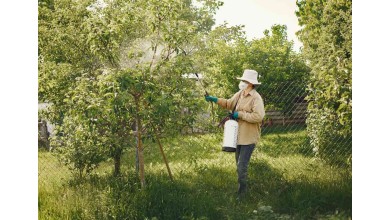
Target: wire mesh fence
286 163
287 132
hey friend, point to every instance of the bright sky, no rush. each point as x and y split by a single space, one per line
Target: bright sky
258 15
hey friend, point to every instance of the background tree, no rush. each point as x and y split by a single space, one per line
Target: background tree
280 68
131 71
278 65
327 40
78 43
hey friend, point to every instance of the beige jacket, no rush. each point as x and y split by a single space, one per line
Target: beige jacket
250 114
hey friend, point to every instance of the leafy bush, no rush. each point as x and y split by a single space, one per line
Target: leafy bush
80 147
326 136
327 40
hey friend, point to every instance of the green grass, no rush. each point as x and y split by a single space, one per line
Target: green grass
285 183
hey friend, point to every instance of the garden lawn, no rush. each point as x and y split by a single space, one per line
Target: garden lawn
286 182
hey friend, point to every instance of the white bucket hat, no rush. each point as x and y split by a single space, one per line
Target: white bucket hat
250 76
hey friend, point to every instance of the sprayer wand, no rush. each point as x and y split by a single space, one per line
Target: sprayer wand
206 94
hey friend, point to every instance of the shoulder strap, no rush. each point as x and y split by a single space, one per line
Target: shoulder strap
239 96
222 123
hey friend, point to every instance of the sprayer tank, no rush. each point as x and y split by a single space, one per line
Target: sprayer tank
230 136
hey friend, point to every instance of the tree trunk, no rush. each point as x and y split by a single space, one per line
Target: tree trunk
136 156
43 135
81 173
117 162
140 155
140 147
134 128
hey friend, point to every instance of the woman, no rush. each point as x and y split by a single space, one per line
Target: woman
250 112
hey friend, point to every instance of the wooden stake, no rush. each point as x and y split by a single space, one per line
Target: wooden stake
163 154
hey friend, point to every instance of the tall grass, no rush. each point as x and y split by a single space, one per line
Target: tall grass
286 182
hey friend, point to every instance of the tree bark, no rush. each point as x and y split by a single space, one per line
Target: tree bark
140 147
117 162
134 128
136 156
43 135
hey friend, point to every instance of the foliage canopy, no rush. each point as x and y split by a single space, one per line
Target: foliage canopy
327 40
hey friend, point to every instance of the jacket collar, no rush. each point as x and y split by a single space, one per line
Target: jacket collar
252 92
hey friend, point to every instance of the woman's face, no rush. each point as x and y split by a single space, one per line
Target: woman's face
244 85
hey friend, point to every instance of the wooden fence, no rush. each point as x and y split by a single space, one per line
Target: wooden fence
297 116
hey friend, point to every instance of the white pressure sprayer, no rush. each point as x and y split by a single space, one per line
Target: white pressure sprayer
230 131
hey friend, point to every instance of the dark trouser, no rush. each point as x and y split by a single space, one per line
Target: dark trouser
243 155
